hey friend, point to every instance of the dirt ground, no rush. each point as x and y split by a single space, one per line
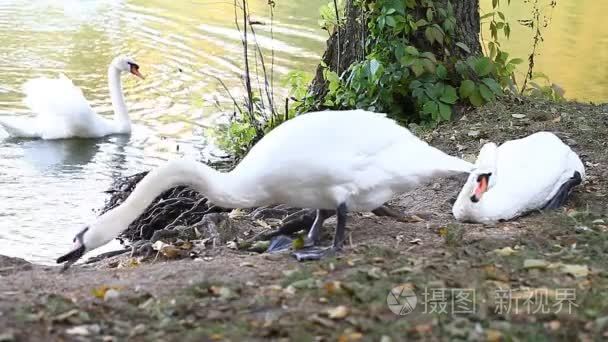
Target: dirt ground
541 277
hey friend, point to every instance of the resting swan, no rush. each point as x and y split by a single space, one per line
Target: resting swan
351 160
63 112
535 172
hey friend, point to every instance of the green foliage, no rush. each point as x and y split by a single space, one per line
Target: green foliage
541 87
235 137
500 28
408 58
327 13
239 134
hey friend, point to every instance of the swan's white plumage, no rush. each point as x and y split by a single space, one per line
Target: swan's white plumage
62 111
526 174
316 160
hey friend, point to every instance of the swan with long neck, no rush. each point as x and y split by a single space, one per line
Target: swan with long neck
532 173
351 160
63 111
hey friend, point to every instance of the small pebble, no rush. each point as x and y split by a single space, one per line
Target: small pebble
111 294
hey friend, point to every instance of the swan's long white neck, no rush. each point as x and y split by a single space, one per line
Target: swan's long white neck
228 190
121 117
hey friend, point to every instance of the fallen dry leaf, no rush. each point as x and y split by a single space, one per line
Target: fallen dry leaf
404 269
493 335
518 116
339 312
352 336
506 251
422 329
535 263
100 291
263 224
577 271
328 323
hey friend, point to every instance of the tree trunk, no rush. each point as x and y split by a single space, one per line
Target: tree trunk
347 44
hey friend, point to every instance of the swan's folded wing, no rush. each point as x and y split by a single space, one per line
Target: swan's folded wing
55 97
20 127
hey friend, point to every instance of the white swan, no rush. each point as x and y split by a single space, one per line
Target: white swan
346 160
535 172
63 111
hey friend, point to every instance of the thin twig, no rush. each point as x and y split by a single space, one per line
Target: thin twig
236 104
338 33
271 5
246 55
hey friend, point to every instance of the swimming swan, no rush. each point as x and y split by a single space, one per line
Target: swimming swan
350 160
63 111
535 172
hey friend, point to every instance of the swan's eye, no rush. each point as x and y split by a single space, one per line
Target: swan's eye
133 65
484 175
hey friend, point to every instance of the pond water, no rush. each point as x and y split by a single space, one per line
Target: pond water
575 48
48 189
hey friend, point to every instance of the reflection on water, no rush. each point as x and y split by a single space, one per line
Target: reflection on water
49 188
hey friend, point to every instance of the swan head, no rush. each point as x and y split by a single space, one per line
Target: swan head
124 63
484 174
91 237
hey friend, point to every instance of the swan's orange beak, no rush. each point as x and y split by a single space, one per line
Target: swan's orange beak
482 187
135 71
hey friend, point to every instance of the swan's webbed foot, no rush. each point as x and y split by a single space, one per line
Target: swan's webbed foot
282 242
315 253
279 243
318 253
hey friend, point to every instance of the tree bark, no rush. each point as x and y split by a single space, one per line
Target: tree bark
347 44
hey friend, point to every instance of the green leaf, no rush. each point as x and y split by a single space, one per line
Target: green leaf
507 30
408 60
501 15
417 68
486 93
430 107
415 84
445 111
467 87
390 21
461 67
428 65
421 23
487 15
493 85
373 66
442 72
483 66
516 61
412 50
429 55
476 99
438 34
428 33
449 95
464 47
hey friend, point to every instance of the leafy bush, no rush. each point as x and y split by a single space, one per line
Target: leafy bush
398 67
